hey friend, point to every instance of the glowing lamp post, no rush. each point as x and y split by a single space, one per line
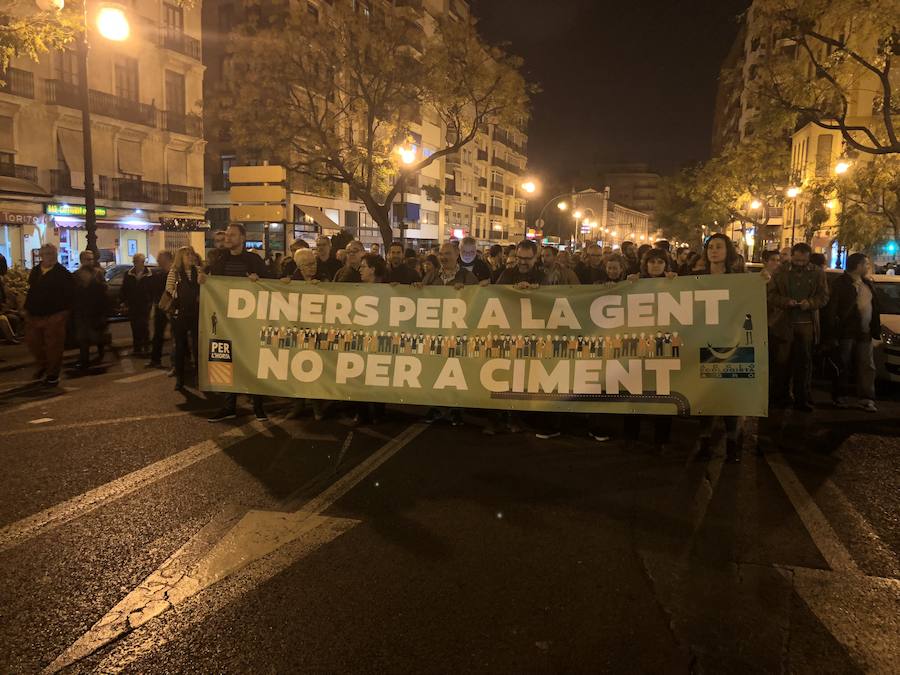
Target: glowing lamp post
407 157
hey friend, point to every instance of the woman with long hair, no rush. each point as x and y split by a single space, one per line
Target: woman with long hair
615 269
183 287
373 270
719 257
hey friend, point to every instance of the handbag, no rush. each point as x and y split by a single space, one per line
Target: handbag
166 302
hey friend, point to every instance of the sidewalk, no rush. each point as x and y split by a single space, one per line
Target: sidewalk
18 356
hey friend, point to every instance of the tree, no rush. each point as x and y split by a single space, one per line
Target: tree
334 98
28 30
831 65
868 197
727 187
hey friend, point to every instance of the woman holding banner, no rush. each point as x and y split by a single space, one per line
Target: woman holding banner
373 270
719 257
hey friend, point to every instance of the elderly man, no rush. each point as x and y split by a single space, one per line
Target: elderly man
450 273
526 271
137 295
50 293
470 260
349 273
326 264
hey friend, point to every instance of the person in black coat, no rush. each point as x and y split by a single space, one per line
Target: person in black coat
89 309
47 306
137 297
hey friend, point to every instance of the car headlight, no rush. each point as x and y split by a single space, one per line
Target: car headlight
889 337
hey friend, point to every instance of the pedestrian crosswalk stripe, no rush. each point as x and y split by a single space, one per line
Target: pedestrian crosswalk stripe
142 376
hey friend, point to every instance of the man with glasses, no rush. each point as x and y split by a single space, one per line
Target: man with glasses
349 273
327 266
590 270
525 271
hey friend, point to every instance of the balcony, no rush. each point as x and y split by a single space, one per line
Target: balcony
480 208
482 182
482 155
183 195
18 83
453 158
19 171
496 210
509 166
181 43
191 125
510 191
101 103
61 184
135 190
497 187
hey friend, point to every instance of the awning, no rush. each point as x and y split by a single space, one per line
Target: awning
319 216
176 163
72 145
20 186
167 224
130 157
126 224
104 154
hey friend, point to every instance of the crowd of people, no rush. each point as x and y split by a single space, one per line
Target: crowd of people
805 316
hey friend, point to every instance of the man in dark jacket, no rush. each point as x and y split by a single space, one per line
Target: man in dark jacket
160 318
591 271
136 290
797 293
526 270
237 261
89 310
49 299
852 321
327 265
398 271
349 273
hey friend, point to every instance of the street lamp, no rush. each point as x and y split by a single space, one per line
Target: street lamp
529 186
562 206
792 193
842 167
112 23
407 157
755 204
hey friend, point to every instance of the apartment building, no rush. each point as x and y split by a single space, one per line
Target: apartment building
478 186
145 100
609 223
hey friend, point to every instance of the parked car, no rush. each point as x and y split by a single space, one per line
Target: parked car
887 349
115 275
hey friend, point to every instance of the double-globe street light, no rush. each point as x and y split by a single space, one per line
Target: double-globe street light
112 24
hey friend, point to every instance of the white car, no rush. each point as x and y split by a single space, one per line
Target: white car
887 352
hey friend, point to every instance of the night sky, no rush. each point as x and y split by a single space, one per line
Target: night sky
631 81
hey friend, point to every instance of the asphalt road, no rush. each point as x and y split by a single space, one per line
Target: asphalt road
136 537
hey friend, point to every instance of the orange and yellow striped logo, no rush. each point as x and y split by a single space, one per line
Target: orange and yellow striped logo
220 373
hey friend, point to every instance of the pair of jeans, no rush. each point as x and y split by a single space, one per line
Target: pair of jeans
793 365
160 321
46 339
855 355
183 329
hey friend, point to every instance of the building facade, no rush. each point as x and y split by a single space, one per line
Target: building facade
609 223
147 147
478 187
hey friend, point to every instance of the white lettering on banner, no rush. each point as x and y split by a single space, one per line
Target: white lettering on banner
493 315
712 298
241 304
348 367
284 306
631 377
682 310
663 369
451 376
305 366
614 318
402 309
378 370
429 313
488 381
518 383
585 374
454 313
311 307
529 323
640 310
562 315
262 304
366 307
556 380
337 310
407 371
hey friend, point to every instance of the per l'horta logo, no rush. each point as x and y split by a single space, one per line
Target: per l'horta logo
727 362
220 366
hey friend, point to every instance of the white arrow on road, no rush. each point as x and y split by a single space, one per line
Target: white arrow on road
228 544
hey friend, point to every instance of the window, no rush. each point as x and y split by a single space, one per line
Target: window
225 164
126 73
175 97
497 202
67 66
173 20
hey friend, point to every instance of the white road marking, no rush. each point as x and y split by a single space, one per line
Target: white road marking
143 376
820 530
205 559
96 423
40 402
27 528
41 420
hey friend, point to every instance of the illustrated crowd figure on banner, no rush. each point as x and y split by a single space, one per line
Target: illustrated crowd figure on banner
640 345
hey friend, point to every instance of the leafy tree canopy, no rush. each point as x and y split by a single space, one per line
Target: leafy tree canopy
334 98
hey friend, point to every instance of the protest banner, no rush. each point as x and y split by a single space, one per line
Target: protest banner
687 346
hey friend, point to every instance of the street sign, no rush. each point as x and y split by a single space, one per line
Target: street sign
72 210
257 174
539 223
259 194
258 213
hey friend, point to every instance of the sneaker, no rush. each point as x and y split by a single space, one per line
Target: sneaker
222 415
456 419
433 416
599 437
842 403
171 373
868 405
39 375
52 380
261 415
545 435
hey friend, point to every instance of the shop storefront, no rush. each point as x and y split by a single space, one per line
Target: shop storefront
21 233
178 231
